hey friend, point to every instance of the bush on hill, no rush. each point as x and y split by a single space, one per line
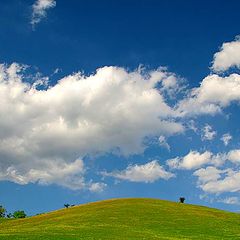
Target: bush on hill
19 214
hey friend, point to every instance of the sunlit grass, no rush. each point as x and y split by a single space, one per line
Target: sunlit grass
125 219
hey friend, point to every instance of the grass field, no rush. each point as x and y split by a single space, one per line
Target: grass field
122 219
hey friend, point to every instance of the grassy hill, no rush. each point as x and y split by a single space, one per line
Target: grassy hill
126 219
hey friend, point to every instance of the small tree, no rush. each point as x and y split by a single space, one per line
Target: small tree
181 199
66 205
19 214
2 212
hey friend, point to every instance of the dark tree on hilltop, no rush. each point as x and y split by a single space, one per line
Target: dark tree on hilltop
181 199
19 214
2 212
66 205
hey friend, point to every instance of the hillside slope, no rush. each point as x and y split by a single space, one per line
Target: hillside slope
122 219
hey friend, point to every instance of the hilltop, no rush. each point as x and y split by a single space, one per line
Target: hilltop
126 219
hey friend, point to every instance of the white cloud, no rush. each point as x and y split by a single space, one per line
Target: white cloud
170 82
230 200
97 187
221 175
45 133
163 142
39 9
69 175
148 173
208 174
213 180
226 180
214 93
111 110
226 138
208 133
228 56
219 159
234 156
192 160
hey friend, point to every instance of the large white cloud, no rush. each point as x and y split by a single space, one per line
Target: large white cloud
215 93
228 56
111 110
39 10
45 128
148 173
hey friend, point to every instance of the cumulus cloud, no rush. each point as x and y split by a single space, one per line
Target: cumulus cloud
69 175
208 174
226 180
192 160
110 110
51 171
226 138
39 10
227 57
148 173
234 156
213 179
208 133
46 128
215 93
216 177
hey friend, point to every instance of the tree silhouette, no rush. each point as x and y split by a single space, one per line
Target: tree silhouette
66 205
181 199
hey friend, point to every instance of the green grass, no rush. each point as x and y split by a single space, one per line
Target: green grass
126 219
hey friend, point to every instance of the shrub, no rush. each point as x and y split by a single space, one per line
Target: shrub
66 205
2 212
19 214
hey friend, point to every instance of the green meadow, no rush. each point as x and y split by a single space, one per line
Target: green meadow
133 219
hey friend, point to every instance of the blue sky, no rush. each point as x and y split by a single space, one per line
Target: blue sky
130 99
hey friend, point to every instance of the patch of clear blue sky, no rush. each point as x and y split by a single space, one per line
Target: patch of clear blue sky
88 34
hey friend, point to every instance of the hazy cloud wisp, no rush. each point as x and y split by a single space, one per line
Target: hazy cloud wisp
39 10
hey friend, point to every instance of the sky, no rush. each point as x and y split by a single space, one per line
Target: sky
109 99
